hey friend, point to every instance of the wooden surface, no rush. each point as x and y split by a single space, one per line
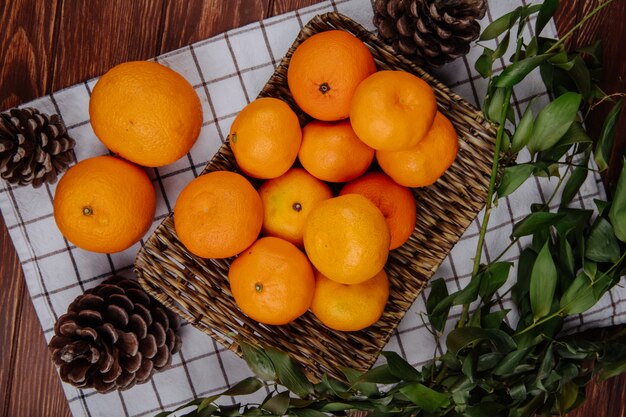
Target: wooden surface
51 44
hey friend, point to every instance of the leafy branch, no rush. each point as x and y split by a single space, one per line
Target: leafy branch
574 257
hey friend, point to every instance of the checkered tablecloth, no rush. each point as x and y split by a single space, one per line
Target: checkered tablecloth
227 72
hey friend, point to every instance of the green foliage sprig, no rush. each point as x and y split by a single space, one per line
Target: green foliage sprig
574 258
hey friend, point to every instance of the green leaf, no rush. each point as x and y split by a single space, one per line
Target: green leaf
258 361
535 222
502 47
575 134
464 296
566 256
516 72
366 388
207 411
573 184
469 366
494 110
553 121
524 269
602 284
510 362
547 10
590 269
289 373
277 404
518 391
513 177
247 386
307 412
426 398
498 26
336 406
607 137
547 363
438 292
484 63
523 130
487 361
379 375
493 277
579 296
602 246
494 319
462 337
542 283
617 213
581 76
529 408
332 387
401 368
573 220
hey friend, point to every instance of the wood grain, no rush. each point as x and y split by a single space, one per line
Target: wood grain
47 45
95 35
187 22
284 6
12 292
36 388
26 49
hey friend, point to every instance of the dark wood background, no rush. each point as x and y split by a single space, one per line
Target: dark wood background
46 45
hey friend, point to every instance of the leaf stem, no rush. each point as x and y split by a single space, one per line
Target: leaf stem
540 322
578 25
616 264
492 185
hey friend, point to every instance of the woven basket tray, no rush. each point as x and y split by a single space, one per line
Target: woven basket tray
197 289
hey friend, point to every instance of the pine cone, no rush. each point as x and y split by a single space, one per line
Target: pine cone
34 147
430 32
113 336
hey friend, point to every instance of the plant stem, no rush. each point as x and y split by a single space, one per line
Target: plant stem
578 25
505 250
540 322
615 265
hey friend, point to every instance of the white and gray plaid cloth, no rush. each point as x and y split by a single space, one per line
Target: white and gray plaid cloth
227 71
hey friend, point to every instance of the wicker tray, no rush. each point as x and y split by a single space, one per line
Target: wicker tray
197 289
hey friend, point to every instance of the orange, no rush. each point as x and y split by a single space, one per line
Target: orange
392 110
146 113
265 138
423 164
218 215
332 151
288 200
272 281
324 72
104 204
395 202
347 239
350 308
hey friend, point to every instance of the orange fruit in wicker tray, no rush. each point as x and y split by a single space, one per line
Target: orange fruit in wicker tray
146 113
324 72
350 307
272 281
395 202
332 151
347 239
423 164
288 200
104 204
218 215
392 110
265 138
